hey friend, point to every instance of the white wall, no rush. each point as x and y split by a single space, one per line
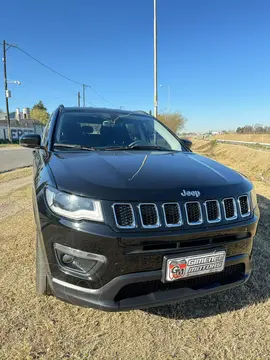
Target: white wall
17 132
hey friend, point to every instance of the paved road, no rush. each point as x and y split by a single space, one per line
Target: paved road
14 158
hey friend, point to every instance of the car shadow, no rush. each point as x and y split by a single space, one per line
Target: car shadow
256 290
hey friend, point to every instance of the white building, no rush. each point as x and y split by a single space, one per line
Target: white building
20 124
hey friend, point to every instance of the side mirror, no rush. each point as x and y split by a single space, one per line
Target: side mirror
30 141
187 143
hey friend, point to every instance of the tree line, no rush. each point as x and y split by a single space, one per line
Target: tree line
253 129
39 112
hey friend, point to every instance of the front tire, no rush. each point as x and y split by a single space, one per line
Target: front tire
42 286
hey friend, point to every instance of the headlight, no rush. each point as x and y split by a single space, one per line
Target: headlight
73 206
253 196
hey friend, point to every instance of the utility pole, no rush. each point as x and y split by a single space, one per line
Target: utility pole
84 86
79 99
155 61
6 90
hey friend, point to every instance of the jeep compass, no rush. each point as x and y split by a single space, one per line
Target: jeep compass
127 216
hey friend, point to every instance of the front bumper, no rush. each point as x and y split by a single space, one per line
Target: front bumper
136 258
104 297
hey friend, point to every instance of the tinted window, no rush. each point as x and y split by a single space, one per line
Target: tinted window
102 129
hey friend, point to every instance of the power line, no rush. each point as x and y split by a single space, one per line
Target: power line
41 63
102 98
63 76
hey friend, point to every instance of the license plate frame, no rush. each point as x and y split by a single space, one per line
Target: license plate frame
176 267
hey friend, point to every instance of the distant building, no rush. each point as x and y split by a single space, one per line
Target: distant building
215 132
20 124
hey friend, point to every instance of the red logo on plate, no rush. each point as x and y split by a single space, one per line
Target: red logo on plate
177 269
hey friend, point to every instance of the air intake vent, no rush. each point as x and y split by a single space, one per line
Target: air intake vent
172 214
244 205
124 216
212 211
149 215
194 213
230 208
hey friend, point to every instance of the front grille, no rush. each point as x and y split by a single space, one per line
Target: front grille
230 209
244 205
193 213
149 215
172 214
229 275
124 216
176 214
212 211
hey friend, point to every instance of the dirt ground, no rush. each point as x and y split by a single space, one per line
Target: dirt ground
230 325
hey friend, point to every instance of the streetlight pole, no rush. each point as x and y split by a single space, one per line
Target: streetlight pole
79 99
155 61
6 90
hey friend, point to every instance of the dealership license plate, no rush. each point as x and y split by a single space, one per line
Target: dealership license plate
185 266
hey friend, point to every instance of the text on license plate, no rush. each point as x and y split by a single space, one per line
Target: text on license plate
194 265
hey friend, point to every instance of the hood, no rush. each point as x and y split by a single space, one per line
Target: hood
144 176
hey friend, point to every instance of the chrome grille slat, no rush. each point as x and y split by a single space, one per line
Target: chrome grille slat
149 215
230 210
172 214
212 209
193 213
244 205
124 215
176 214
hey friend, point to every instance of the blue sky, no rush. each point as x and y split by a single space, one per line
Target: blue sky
215 55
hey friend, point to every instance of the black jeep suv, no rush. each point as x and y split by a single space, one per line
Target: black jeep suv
128 216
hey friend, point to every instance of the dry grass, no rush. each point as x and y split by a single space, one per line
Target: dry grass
230 325
263 138
8 145
253 163
14 175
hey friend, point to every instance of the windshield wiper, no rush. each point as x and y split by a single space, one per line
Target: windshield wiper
111 148
137 147
74 146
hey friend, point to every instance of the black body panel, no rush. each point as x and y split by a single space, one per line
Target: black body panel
162 177
136 255
131 252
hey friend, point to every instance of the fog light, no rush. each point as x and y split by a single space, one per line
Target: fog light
77 262
67 259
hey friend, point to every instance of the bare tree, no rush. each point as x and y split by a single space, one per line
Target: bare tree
175 121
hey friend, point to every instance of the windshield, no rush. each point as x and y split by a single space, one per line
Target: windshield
105 130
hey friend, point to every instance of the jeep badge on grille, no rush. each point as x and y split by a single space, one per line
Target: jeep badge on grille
191 193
